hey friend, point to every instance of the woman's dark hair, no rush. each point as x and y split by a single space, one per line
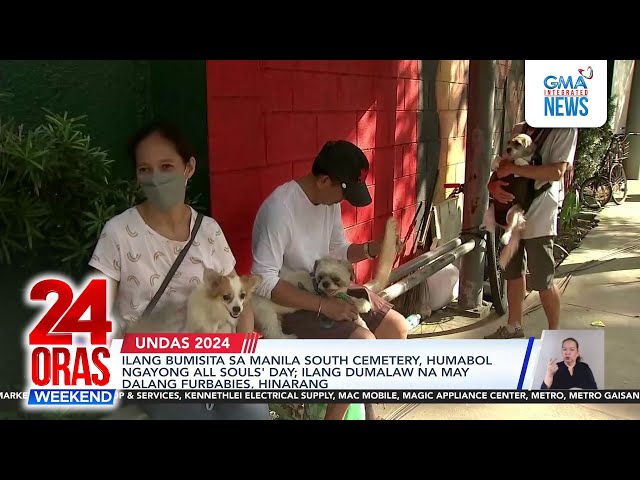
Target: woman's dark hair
167 130
571 339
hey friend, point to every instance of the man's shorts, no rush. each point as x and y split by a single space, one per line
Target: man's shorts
306 324
537 253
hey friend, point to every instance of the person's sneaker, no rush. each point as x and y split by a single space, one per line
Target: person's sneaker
504 333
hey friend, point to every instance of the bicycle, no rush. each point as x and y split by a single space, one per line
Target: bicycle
610 180
493 274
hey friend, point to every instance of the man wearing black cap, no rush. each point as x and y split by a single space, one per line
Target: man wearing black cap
300 222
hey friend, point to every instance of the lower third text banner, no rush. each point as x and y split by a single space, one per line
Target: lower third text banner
382 396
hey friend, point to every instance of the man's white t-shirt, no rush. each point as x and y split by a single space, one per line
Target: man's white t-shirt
542 216
290 233
136 256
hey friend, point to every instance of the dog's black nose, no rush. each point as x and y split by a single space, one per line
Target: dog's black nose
236 309
326 284
509 150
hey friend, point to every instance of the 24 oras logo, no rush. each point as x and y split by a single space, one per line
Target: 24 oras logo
68 353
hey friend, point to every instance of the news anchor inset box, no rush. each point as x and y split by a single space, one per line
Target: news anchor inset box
565 93
582 350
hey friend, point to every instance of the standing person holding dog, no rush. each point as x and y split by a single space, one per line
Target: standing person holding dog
300 222
155 253
557 148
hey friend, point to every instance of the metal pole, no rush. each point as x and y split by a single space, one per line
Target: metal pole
477 172
414 264
394 291
632 162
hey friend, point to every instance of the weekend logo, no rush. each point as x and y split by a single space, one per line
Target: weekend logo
565 93
68 360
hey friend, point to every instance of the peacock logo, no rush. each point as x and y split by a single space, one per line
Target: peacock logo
587 73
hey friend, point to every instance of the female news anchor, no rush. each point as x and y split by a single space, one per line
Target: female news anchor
571 373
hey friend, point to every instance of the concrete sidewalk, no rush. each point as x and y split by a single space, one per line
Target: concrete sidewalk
602 279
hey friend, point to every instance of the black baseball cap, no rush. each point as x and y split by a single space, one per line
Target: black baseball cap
343 161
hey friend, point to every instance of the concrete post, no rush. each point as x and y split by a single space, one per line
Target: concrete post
632 164
477 173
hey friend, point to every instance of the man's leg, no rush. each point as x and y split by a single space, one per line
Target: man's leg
514 273
393 325
306 324
337 411
543 269
516 290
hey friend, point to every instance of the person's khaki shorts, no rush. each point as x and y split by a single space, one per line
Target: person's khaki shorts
537 253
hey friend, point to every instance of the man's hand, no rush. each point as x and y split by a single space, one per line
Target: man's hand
506 168
498 192
338 310
375 246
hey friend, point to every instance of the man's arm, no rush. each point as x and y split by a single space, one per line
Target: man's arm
271 237
562 152
341 248
544 173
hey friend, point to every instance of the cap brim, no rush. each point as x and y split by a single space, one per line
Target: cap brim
357 194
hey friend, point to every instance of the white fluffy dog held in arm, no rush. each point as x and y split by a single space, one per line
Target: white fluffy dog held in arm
330 277
215 304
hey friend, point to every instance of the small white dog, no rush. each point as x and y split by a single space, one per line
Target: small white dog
330 277
511 216
215 304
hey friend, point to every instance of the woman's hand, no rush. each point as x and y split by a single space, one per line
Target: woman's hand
552 368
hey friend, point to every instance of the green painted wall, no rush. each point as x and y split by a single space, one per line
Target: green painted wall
117 96
112 94
179 94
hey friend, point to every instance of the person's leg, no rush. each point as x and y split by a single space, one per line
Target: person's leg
337 411
385 322
382 319
516 290
514 273
177 411
240 411
542 269
306 324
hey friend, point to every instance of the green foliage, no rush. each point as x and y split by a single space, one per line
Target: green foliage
569 212
56 193
592 145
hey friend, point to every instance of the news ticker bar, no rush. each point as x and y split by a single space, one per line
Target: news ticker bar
76 397
385 396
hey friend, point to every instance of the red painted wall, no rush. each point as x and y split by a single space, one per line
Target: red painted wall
268 119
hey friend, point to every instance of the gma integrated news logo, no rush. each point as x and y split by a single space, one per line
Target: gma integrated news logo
67 345
565 93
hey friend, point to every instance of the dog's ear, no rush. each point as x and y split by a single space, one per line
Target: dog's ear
315 266
251 282
211 278
349 266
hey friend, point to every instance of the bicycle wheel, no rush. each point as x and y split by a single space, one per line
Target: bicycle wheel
618 180
497 282
595 192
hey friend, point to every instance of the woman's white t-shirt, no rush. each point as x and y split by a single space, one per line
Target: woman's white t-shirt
139 258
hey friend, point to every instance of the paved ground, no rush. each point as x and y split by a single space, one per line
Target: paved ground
602 280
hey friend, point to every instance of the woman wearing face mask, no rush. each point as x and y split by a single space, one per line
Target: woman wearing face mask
137 248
